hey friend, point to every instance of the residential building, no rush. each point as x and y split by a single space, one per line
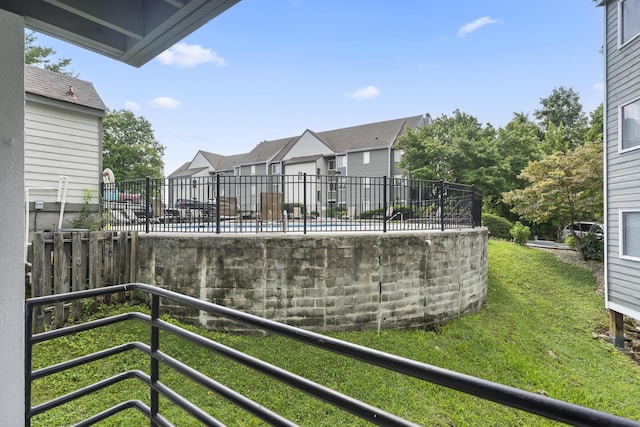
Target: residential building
622 161
63 148
362 151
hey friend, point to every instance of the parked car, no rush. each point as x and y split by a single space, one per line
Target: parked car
583 227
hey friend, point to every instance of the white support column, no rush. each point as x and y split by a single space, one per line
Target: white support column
11 219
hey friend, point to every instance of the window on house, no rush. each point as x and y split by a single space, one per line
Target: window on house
365 157
341 161
253 169
630 234
275 169
332 165
366 182
629 20
629 116
397 155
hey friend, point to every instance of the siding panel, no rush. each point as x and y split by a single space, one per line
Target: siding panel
61 142
623 170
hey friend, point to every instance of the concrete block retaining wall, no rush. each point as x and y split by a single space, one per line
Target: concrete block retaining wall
328 282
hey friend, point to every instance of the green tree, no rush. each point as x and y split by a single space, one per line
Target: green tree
565 186
596 125
457 149
518 144
563 109
41 56
130 148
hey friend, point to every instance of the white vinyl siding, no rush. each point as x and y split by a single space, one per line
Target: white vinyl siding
629 16
629 116
630 235
58 143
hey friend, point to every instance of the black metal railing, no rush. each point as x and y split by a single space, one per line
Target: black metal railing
288 203
509 396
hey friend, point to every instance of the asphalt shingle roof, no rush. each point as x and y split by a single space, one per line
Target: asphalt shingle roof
61 87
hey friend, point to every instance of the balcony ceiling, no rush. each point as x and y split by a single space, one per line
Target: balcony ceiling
131 31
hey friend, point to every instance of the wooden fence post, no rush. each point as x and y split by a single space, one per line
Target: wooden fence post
107 257
78 271
61 276
40 267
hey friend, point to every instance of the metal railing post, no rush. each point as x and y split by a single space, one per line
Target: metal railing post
304 202
147 202
384 204
218 204
473 205
441 201
155 345
28 354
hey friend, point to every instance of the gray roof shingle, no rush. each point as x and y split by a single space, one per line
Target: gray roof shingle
61 87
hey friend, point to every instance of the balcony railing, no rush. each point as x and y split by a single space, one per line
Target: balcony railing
509 396
288 203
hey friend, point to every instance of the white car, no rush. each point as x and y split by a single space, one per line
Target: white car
583 227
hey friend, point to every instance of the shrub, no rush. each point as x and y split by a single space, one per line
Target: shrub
592 246
570 241
499 227
520 233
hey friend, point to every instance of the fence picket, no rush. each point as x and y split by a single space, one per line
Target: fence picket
77 261
61 276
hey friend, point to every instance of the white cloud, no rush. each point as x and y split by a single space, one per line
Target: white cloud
599 86
478 23
165 103
365 93
189 55
132 106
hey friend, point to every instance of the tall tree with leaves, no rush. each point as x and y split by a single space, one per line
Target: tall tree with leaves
562 109
596 125
130 147
517 144
41 56
565 186
456 148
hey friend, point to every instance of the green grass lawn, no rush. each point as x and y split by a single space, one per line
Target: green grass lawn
534 333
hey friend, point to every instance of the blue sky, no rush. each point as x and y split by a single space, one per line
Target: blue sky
269 69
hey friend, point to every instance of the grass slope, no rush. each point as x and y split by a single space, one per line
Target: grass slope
534 333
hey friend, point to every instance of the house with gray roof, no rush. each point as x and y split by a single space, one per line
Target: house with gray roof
195 180
358 151
63 147
622 161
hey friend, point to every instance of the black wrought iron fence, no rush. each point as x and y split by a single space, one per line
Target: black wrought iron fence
288 203
509 396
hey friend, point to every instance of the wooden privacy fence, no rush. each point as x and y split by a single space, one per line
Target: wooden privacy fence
65 261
